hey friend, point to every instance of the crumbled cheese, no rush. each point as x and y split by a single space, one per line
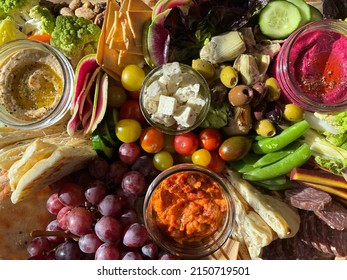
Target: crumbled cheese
167 105
154 91
185 116
184 93
196 103
150 105
163 119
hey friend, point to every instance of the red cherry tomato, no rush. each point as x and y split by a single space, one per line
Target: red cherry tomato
152 140
216 164
131 110
210 139
186 144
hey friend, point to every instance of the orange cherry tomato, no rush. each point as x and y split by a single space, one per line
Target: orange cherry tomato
152 140
216 164
210 139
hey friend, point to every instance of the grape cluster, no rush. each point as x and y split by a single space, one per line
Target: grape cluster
98 212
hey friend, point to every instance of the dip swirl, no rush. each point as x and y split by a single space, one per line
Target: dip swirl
318 66
31 84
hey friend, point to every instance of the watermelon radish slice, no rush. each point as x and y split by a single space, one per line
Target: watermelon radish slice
75 120
86 103
156 38
99 103
86 65
102 102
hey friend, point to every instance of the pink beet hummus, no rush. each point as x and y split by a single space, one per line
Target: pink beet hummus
318 66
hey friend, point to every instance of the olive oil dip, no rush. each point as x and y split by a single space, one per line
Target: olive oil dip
31 84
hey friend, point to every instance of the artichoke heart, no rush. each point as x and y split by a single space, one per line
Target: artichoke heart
224 47
247 66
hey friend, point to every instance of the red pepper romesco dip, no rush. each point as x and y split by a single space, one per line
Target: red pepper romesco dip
189 206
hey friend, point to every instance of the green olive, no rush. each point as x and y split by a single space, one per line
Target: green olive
205 68
273 89
293 113
235 148
265 128
229 76
240 95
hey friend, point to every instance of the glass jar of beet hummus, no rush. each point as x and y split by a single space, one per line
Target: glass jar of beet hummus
312 66
188 211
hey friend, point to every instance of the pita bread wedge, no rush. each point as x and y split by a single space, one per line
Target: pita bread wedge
280 216
36 151
64 160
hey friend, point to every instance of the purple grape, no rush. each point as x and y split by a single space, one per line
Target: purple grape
116 171
126 200
108 229
54 204
167 256
131 256
135 236
95 192
69 250
79 221
39 246
98 168
107 251
129 152
89 243
110 205
133 182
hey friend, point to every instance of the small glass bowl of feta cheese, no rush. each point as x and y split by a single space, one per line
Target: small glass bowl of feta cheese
174 98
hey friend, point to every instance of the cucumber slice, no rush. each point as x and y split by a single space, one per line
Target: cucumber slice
304 10
279 19
315 14
101 148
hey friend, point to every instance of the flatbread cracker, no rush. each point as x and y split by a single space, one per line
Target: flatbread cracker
64 160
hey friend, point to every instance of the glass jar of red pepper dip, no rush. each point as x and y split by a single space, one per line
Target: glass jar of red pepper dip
311 67
188 211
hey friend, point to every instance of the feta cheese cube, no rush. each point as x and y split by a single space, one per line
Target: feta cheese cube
188 79
154 90
167 105
150 105
185 116
184 93
196 103
163 119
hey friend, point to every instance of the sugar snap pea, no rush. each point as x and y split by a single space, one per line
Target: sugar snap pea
276 156
275 184
281 167
281 140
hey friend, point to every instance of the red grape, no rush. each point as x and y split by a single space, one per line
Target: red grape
143 164
54 204
54 226
95 192
133 182
89 243
69 250
129 152
128 217
135 236
79 221
110 205
38 246
61 217
71 194
107 251
108 229
150 250
131 256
